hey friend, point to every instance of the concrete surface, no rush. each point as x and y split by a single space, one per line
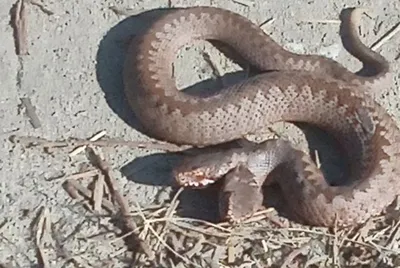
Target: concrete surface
73 77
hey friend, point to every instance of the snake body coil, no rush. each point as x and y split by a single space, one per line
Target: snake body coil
301 88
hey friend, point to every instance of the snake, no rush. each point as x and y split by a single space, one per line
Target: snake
290 87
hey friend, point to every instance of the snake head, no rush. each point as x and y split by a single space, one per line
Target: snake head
203 169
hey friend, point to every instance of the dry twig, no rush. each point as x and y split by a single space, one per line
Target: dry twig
266 22
73 188
29 141
42 8
31 112
322 21
386 37
98 193
112 185
246 3
42 229
81 148
85 174
18 22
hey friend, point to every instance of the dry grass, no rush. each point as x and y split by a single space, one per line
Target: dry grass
258 242
162 238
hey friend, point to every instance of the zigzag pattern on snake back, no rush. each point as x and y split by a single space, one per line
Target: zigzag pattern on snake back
301 88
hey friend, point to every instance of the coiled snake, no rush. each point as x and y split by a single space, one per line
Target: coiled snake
297 88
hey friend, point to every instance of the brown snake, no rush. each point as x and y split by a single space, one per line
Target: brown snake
300 88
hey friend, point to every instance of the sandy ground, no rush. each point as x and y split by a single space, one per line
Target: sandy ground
73 77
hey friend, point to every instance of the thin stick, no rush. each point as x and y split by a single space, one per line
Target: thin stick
190 220
73 142
98 193
42 227
322 21
31 112
41 7
266 22
81 148
89 173
335 241
388 35
73 188
214 69
111 182
18 22
204 231
245 3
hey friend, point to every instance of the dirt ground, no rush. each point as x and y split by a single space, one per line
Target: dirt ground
72 75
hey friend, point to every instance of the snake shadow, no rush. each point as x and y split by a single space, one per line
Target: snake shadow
156 169
110 61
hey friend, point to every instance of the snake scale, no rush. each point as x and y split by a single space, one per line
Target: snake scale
291 88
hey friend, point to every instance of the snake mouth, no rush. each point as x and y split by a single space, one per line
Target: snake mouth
201 183
194 179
